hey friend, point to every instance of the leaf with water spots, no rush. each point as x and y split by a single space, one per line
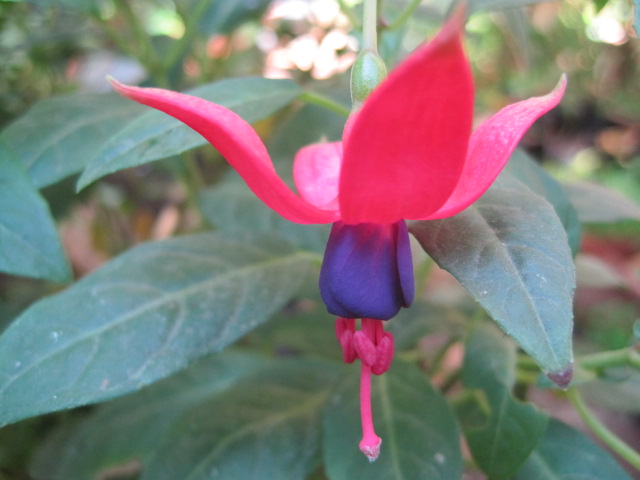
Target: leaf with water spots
511 253
143 316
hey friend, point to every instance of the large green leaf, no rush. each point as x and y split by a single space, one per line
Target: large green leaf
155 135
143 316
266 427
59 136
512 429
598 204
418 430
130 428
567 454
29 243
232 207
510 251
525 169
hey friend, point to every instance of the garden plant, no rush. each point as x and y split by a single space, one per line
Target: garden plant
319 239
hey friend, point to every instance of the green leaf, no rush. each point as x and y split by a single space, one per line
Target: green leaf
130 428
512 429
224 17
82 5
510 251
598 204
155 135
59 136
567 454
478 5
299 331
618 390
418 430
29 243
265 427
231 207
524 168
143 316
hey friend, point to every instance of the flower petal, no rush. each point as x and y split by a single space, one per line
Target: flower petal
316 171
491 146
238 143
405 264
405 150
360 275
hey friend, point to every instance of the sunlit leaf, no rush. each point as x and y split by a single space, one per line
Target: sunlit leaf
598 204
510 251
29 243
130 428
155 135
512 429
265 427
58 137
140 318
418 430
567 454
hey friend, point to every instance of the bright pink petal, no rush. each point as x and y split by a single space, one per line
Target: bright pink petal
237 142
491 146
316 171
406 148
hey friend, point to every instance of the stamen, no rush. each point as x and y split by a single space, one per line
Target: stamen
370 443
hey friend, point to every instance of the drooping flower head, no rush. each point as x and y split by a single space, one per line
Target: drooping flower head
407 154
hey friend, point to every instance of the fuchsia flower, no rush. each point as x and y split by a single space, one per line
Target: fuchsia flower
407 154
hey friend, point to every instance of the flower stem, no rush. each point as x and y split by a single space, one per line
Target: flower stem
601 431
177 50
370 26
325 102
370 443
404 16
148 56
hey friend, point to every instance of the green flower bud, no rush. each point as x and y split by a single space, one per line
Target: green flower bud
366 74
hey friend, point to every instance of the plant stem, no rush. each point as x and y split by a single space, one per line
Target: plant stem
404 16
370 26
594 361
190 28
614 358
601 431
147 54
325 102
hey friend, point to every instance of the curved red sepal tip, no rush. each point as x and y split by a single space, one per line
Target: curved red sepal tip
491 145
238 143
405 150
